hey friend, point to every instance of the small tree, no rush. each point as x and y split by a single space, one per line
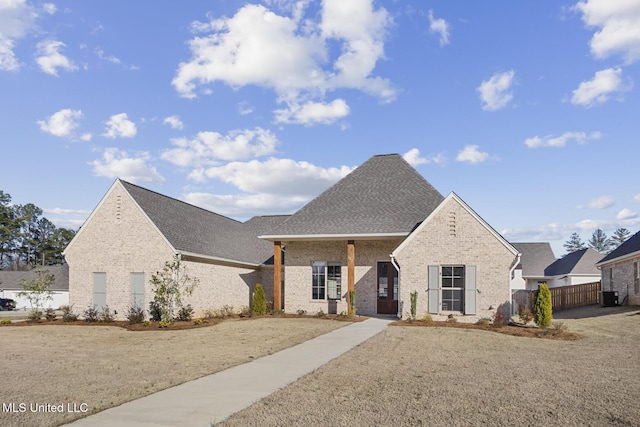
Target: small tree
543 307
37 292
574 243
414 304
170 285
600 242
259 304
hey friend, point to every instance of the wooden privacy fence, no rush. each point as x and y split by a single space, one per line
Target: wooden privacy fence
562 298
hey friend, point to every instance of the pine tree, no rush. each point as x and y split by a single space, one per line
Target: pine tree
619 237
574 243
600 242
259 306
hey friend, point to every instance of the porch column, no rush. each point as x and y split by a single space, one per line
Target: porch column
351 273
277 276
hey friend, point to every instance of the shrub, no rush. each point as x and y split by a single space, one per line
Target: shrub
414 304
67 314
155 311
34 314
525 315
50 314
427 318
199 322
542 307
147 323
5 322
499 319
135 314
244 311
558 326
452 319
164 324
91 314
321 313
259 304
301 312
227 310
106 315
185 313
352 301
483 322
170 286
37 292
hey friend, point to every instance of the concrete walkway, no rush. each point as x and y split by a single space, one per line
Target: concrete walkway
213 398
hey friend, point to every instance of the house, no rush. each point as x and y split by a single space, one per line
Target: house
621 271
10 285
535 258
132 233
574 268
379 234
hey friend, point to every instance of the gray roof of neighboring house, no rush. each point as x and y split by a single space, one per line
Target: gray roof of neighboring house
383 195
198 231
535 258
631 245
10 280
578 262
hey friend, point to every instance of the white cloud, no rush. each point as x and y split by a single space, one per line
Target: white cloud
472 154
291 55
602 202
110 58
86 137
276 176
441 27
637 198
118 164
17 19
173 121
561 141
61 123
597 90
619 27
208 148
246 205
495 93
61 211
50 8
625 214
119 126
413 158
313 112
245 108
50 59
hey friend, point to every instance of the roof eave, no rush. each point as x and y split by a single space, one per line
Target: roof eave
618 259
325 237
217 259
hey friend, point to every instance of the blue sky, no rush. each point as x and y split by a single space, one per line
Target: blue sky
528 110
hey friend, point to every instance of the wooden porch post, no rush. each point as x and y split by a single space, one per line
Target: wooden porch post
351 273
277 276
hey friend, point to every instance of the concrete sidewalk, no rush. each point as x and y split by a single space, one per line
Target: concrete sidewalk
213 398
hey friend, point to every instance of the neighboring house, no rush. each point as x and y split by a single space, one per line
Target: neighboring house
575 268
621 271
10 285
535 258
382 231
132 233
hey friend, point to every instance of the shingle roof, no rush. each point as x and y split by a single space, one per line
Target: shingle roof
632 245
383 195
535 258
195 230
10 280
578 262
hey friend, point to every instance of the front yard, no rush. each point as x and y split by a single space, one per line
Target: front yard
104 366
413 376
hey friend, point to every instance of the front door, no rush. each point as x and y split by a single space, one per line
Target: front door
387 288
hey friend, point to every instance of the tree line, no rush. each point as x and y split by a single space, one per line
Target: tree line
27 238
599 241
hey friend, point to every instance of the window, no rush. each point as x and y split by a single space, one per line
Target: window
636 277
452 288
137 289
99 290
326 280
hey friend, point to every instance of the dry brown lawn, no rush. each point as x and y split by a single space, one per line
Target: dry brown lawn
413 376
104 366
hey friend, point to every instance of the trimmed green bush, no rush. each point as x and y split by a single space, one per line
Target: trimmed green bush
259 305
414 304
543 307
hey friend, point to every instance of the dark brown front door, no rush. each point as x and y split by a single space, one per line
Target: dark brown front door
387 288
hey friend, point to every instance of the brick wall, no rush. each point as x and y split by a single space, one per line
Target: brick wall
624 281
455 237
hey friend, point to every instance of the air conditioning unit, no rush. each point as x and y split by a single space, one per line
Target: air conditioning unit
609 298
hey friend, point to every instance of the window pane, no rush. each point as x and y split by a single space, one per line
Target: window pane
458 271
447 271
382 288
333 281
318 280
452 288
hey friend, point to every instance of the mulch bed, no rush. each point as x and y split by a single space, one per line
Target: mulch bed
176 326
512 329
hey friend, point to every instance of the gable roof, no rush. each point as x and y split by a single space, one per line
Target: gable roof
10 280
536 256
578 262
631 247
455 197
383 196
195 231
